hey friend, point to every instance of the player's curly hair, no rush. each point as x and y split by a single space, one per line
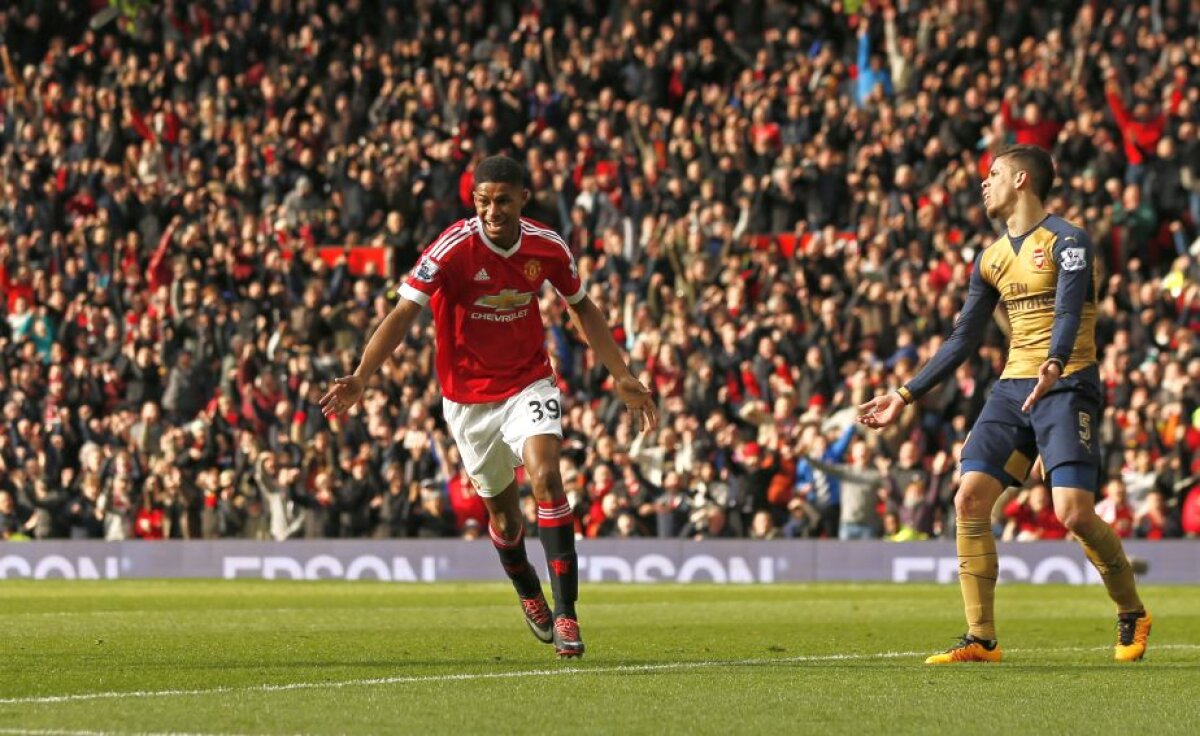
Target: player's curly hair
499 170
1036 162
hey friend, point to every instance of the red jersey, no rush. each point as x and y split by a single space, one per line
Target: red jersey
491 343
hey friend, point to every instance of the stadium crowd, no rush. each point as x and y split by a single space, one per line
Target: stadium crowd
776 203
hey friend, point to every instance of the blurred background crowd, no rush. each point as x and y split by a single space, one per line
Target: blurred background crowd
776 204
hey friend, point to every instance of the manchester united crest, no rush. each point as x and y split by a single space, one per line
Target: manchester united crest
533 269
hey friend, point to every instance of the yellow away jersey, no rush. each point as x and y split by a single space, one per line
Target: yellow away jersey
1025 272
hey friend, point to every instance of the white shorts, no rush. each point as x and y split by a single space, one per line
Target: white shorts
491 437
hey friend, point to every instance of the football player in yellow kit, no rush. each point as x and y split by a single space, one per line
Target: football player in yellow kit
1048 400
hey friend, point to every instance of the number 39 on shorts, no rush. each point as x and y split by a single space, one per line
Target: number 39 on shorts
542 410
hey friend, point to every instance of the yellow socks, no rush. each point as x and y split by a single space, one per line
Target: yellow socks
978 569
1103 547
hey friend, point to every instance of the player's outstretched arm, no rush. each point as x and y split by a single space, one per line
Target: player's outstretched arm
347 390
628 389
981 302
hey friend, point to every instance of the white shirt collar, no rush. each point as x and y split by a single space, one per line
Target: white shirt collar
478 225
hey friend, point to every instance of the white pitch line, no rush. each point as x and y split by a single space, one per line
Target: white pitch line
67 732
516 674
51 732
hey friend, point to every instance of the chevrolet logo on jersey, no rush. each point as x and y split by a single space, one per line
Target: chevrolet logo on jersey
506 301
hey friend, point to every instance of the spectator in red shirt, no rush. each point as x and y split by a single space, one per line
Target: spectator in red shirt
1190 513
1154 521
1031 128
601 520
1031 516
601 511
149 521
1115 508
464 500
1140 132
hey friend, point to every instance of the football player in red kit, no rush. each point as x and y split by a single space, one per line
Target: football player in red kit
481 278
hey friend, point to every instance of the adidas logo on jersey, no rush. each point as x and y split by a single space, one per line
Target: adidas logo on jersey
482 275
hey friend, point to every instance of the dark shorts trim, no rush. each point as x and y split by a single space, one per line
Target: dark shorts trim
1076 475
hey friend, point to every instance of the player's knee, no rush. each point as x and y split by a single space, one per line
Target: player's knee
976 496
1070 520
546 483
969 503
962 504
506 524
1076 518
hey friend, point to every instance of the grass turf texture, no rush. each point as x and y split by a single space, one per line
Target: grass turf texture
377 657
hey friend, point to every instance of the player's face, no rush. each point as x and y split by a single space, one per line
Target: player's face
1000 189
499 208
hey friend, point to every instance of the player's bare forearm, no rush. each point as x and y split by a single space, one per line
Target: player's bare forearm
628 389
385 340
599 337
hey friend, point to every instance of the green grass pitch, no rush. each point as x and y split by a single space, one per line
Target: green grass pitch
248 657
